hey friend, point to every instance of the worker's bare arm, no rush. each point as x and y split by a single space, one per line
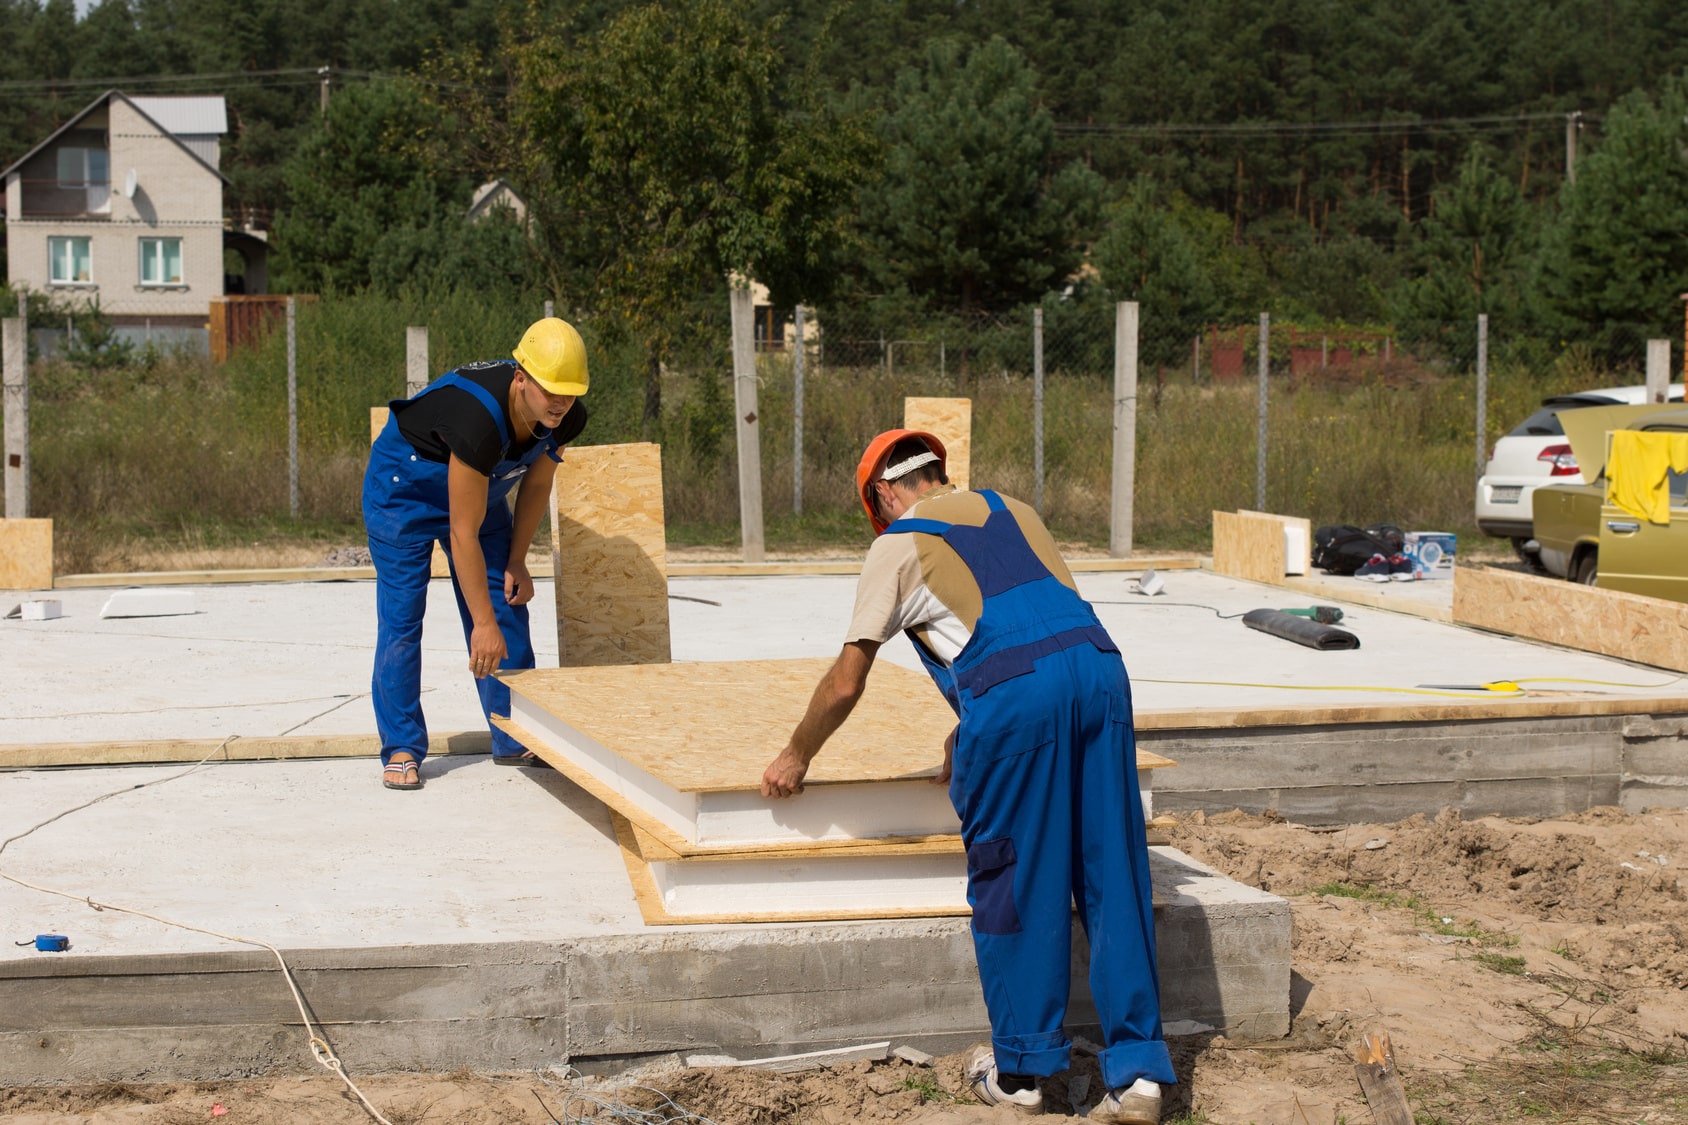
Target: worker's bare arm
466 492
834 698
532 495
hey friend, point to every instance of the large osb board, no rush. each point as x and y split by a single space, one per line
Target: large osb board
609 556
1248 546
1611 622
26 554
951 421
714 727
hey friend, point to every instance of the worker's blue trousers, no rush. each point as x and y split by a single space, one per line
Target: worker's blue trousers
401 600
1045 783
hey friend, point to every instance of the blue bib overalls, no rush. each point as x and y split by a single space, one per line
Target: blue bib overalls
406 510
1045 783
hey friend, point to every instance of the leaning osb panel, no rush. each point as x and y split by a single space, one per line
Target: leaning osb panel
26 554
609 556
1248 546
951 419
377 421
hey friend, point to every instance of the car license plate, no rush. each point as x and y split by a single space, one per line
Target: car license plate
1505 493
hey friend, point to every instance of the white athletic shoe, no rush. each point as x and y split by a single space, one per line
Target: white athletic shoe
981 1080
1136 1104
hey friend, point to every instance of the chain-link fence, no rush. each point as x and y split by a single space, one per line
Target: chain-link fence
1359 423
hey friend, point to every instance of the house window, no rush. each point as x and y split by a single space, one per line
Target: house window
71 262
161 261
87 170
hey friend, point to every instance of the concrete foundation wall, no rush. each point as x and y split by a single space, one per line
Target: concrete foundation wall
599 1002
1383 772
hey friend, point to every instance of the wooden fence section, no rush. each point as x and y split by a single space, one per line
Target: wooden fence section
240 322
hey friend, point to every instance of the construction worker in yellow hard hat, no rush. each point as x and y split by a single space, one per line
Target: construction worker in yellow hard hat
441 471
1041 768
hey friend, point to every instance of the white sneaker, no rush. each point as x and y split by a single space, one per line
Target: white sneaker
1136 1104
981 1080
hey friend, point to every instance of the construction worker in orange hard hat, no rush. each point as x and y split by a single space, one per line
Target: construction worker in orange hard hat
1041 767
441 471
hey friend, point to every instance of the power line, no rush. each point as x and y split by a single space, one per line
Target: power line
293 76
1307 128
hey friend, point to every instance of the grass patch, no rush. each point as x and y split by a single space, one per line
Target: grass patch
126 458
925 1083
1506 964
1427 916
1558 1079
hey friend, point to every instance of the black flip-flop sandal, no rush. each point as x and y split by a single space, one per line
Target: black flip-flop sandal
402 775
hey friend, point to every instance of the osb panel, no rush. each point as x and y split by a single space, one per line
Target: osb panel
951 420
715 726
1248 546
609 556
377 421
26 554
1306 526
1610 622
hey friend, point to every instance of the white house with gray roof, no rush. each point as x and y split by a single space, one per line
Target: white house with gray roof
124 205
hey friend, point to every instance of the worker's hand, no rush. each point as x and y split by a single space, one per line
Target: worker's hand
784 775
486 649
949 758
518 584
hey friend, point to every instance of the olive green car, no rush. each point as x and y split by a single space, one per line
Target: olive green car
1587 540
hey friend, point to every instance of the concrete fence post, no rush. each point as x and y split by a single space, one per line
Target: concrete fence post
292 409
14 376
1125 428
749 431
1260 426
1658 370
415 359
1482 392
1037 410
797 418
550 309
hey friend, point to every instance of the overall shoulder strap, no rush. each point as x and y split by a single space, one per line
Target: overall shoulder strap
453 379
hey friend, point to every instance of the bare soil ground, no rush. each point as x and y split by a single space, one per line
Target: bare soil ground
1525 970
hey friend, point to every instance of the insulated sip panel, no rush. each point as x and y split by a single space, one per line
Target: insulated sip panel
1248 546
951 420
609 556
679 749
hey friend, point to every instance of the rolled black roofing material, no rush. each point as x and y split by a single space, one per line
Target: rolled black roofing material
1300 630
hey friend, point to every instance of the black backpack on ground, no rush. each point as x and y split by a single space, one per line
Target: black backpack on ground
1342 548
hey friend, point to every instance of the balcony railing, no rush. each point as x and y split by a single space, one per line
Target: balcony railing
66 199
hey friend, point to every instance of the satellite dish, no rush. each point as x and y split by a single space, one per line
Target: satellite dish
129 184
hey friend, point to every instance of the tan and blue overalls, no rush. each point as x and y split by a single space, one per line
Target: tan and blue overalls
1045 783
406 510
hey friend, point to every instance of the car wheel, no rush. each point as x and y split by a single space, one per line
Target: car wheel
1530 559
1588 570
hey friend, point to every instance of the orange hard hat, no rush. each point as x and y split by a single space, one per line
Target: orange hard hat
872 467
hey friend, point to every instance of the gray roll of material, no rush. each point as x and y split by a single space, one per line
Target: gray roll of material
1300 630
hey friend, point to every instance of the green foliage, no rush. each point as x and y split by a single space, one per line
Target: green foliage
1148 256
1473 249
966 215
1616 254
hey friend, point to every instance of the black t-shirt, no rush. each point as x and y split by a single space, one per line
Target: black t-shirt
451 420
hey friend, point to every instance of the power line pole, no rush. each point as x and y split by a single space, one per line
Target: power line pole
326 73
1573 124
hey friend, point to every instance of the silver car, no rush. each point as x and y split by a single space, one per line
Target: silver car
1535 452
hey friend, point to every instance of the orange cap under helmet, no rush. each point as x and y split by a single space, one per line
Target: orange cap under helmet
872 467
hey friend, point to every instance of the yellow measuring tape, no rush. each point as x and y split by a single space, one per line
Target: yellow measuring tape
1493 687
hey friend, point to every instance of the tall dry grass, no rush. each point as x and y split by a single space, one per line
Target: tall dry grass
177 458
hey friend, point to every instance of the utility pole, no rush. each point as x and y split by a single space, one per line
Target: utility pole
326 73
1573 124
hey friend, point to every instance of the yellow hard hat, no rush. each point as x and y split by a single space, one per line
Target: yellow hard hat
554 356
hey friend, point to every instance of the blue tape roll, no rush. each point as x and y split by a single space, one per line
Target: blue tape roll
52 943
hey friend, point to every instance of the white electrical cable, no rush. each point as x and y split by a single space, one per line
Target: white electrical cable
320 1049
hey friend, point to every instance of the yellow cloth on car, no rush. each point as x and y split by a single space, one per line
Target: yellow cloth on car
1637 472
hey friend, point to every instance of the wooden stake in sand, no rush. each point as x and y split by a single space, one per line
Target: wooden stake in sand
1381 1081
